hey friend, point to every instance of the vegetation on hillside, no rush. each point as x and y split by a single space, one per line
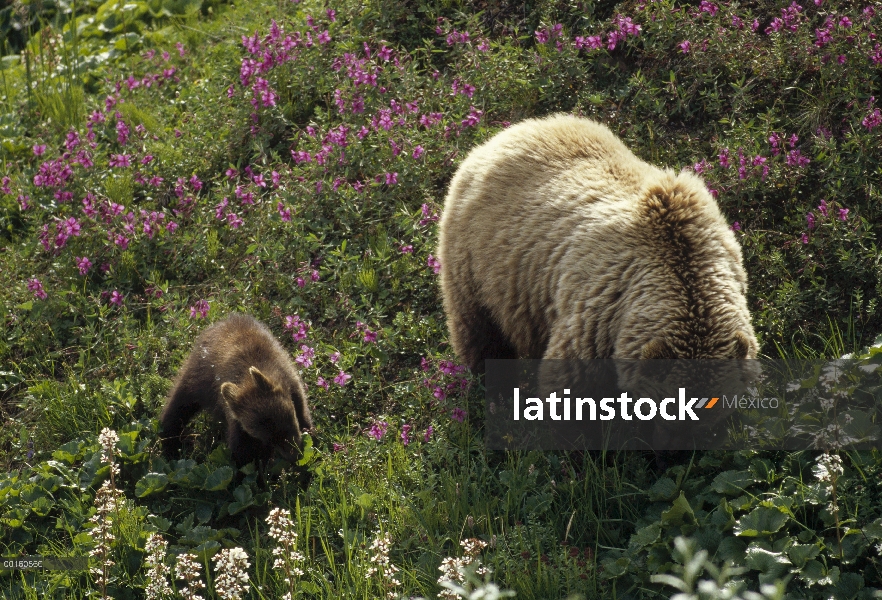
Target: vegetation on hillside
168 162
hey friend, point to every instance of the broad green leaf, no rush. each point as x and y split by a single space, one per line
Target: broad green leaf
732 483
800 554
848 587
770 564
664 489
42 506
15 518
646 536
219 480
151 483
762 520
680 513
615 568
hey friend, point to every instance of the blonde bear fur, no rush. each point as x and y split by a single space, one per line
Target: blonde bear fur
557 242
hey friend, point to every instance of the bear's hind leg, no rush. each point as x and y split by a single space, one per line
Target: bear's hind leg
476 337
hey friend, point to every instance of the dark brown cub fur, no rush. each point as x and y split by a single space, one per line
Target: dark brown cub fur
239 372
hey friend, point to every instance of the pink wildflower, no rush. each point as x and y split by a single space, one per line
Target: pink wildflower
200 309
83 264
35 286
342 378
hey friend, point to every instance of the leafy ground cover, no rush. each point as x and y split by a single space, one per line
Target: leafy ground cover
168 163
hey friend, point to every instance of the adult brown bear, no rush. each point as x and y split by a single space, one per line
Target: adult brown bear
238 371
557 242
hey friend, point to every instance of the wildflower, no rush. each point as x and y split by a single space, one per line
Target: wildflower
335 357
370 336
23 201
314 276
304 359
775 26
458 414
35 286
232 579
300 281
434 263
453 569
322 383
120 160
405 434
384 568
286 555
796 158
199 309
188 569
685 46
406 249
391 178
828 468
116 298
418 152
157 571
342 378
234 220
171 226
724 158
39 149
337 447
822 207
843 214
701 166
473 118
83 264
810 220
107 499
873 119
805 238
378 430
298 328
428 435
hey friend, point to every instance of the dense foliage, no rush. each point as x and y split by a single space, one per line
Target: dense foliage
166 163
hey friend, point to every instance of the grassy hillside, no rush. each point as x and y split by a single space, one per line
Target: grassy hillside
167 163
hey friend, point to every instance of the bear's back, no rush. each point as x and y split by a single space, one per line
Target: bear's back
226 350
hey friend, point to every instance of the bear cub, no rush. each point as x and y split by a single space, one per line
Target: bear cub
239 372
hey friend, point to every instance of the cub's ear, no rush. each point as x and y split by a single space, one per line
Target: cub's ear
657 348
261 380
230 395
742 345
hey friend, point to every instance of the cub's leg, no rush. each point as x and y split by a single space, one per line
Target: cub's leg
181 407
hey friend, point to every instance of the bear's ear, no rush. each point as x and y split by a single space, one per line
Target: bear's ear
657 348
230 394
261 380
742 345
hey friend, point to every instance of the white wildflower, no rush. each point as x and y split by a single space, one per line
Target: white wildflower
157 584
189 570
231 566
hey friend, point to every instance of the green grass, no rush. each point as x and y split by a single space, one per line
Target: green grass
343 241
